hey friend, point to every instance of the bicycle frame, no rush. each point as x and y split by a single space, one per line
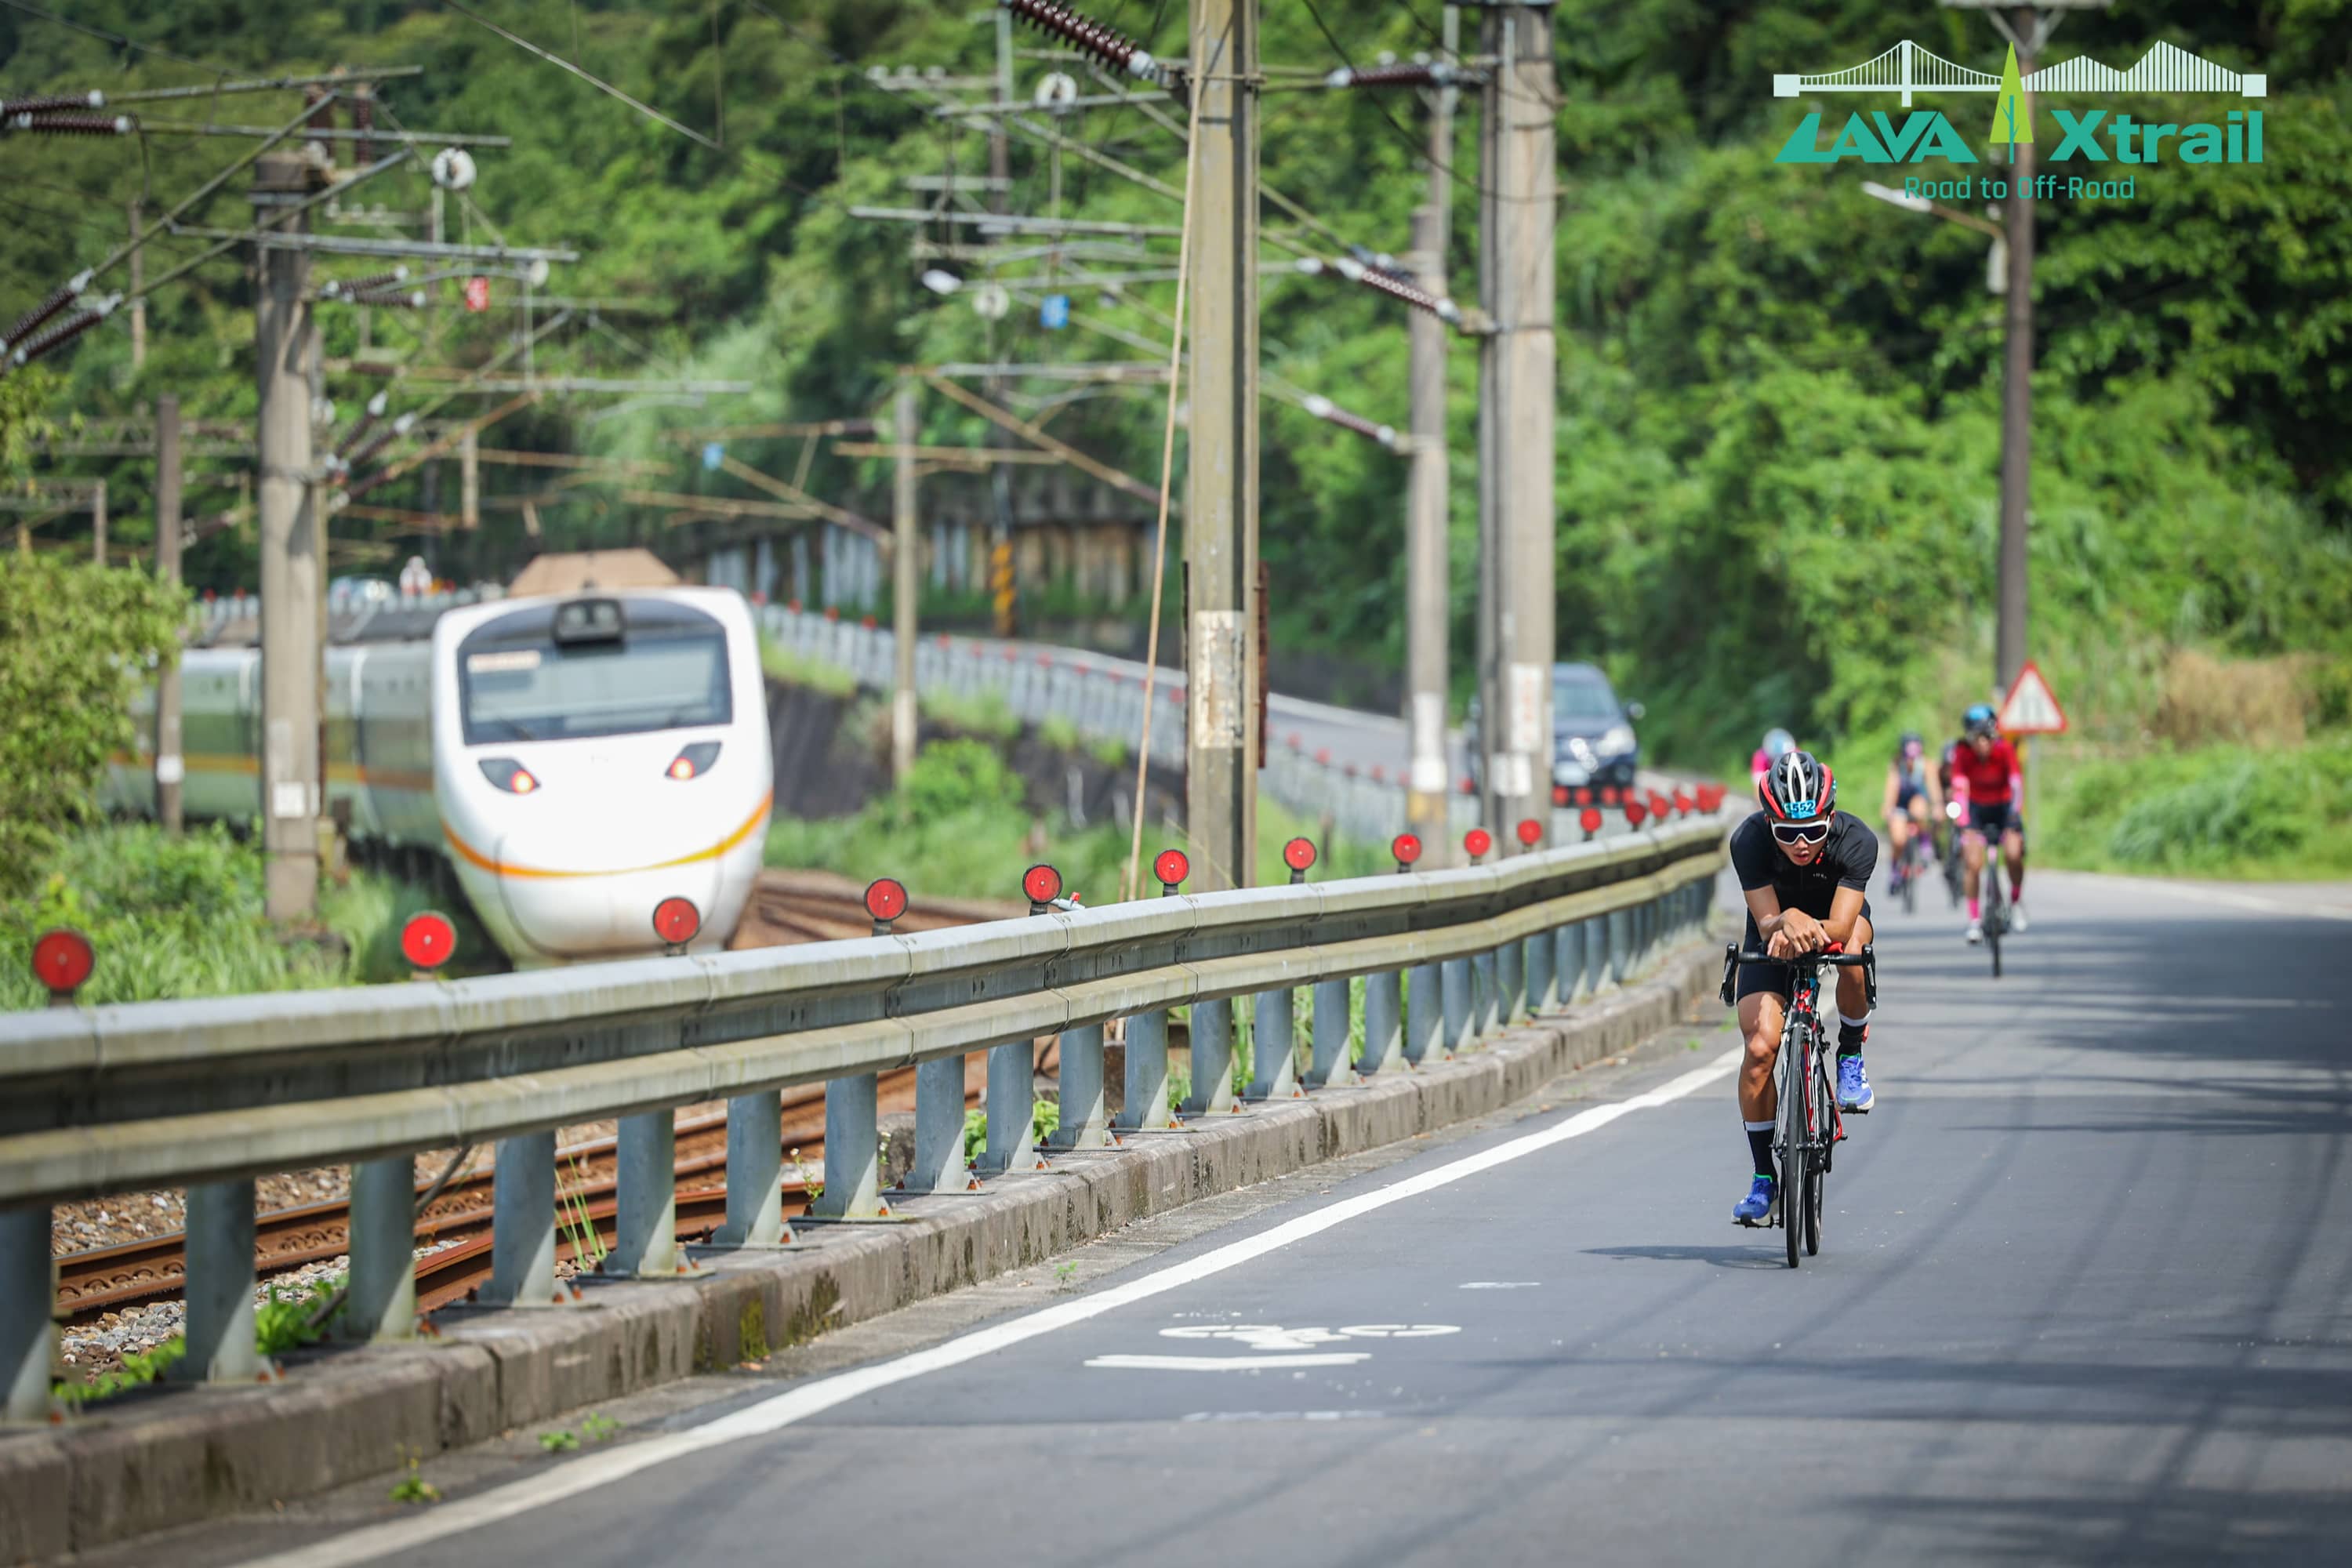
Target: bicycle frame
1809 1122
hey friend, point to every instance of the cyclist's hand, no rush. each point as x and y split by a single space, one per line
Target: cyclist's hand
1799 933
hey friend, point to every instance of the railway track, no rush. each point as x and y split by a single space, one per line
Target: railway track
786 908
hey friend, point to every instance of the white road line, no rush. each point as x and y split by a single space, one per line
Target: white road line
1227 1363
594 1471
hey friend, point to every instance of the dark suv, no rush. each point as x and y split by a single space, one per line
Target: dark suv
1593 733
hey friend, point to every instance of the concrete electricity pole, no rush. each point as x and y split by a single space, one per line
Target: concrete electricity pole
170 765
902 583
2028 28
1221 747
1517 520
1426 594
98 522
1004 594
293 569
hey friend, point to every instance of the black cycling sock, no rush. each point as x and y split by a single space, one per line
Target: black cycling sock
1759 1145
1850 1039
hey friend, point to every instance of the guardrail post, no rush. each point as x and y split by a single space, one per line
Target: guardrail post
1274 1071
1424 1013
645 1174
1011 1108
939 1164
1213 1058
1460 981
522 1222
1086 1118
1621 928
1567 962
1329 1065
220 1286
1383 1024
382 1301
1511 981
755 1171
1486 994
29 1295
1147 1072
1537 965
853 1150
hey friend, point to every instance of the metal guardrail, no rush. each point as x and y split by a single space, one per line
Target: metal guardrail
211 1093
1100 700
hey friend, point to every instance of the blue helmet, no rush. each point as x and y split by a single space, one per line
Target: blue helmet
1778 744
1979 720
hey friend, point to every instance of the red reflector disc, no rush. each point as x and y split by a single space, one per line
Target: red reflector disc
1634 812
62 959
1405 848
1042 883
1298 854
1560 794
1591 819
1477 841
1530 830
427 940
886 899
675 920
1171 867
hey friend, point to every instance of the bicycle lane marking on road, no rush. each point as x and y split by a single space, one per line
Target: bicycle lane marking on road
594 1471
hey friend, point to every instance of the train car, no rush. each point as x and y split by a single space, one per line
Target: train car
575 760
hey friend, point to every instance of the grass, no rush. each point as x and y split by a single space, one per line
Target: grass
783 664
959 829
279 1324
181 917
2228 811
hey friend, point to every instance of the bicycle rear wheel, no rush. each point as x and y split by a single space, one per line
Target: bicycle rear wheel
1792 1201
1817 1165
1911 889
1996 918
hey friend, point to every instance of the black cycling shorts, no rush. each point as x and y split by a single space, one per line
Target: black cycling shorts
1775 978
1904 794
1992 821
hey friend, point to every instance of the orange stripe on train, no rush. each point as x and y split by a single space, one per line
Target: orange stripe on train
501 869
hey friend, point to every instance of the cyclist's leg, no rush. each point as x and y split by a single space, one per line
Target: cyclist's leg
2012 849
1763 1001
1853 1022
1919 816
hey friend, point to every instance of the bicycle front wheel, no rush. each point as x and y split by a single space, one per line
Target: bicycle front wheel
1817 1163
1792 1200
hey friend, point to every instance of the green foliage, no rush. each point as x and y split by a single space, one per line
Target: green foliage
794 668
412 1487
599 1427
76 641
181 917
1777 433
2224 811
138 1369
559 1442
981 713
22 398
282 1323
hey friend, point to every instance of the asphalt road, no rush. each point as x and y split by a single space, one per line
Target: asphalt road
2086 1296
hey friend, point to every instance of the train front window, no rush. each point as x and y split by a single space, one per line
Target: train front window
667 672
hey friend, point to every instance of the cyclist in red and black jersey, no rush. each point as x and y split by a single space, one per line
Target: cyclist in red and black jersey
1989 784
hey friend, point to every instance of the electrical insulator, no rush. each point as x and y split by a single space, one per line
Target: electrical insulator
350 288
1439 74
65 331
1105 44
46 307
412 300
1323 408
54 102
71 124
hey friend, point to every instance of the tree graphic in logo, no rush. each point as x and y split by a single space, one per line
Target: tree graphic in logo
2013 121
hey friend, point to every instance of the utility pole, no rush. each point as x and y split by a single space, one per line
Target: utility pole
902 584
2027 28
138 289
1222 464
98 522
1426 505
292 570
1517 520
169 766
1000 476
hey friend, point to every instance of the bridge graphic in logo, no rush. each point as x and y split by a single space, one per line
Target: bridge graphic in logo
1907 68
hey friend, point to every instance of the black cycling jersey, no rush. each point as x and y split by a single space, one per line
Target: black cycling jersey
1846 860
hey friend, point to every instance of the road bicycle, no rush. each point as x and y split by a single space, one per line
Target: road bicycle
1811 1125
1995 916
1904 871
1955 871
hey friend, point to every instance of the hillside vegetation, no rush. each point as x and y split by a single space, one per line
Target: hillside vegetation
1778 450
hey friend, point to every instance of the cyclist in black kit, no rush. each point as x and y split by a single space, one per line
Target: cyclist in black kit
1804 866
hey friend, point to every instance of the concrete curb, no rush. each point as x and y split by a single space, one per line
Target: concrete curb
172 1456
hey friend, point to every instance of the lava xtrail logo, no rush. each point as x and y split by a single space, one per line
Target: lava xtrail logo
2089 136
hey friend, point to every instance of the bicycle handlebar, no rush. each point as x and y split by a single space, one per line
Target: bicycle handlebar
1843 960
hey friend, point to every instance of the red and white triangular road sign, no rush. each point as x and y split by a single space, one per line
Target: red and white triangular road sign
2032 708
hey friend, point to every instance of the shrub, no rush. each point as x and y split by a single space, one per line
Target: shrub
76 641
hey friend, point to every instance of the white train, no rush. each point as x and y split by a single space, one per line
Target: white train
575 760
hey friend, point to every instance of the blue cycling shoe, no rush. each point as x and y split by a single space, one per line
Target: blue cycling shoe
1757 1207
1854 1096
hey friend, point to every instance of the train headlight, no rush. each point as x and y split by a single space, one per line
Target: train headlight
694 761
508 776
